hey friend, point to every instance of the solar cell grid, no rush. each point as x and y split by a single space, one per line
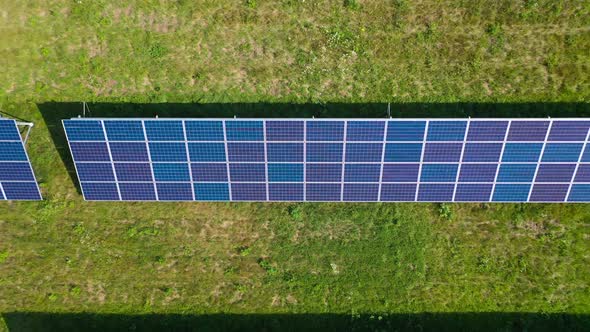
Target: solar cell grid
17 181
329 160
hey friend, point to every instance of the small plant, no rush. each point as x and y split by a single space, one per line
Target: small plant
267 266
157 51
3 256
295 213
75 290
52 297
251 4
244 251
352 4
445 211
494 29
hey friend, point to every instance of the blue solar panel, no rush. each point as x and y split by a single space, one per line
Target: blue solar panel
167 151
285 172
365 131
516 172
446 130
244 130
204 130
403 152
406 131
511 192
327 160
565 152
212 191
207 152
171 172
164 130
124 131
579 193
325 131
285 152
439 173
522 152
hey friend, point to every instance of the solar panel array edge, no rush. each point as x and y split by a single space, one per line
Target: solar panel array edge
370 160
17 179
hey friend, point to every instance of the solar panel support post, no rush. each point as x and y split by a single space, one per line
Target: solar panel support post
389 110
84 109
29 126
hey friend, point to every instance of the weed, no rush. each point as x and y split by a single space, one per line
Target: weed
52 297
244 251
295 212
252 4
3 256
157 51
267 266
445 211
75 290
352 4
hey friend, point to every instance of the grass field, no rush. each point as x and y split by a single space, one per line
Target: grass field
66 264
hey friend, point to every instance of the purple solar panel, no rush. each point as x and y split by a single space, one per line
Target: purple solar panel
285 191
583 173
400 172
473 192
478 172
528 130
435 192
549 192
248 191
555 172
398 192
569 131
487 130
443 152
326 192
361 192
482 152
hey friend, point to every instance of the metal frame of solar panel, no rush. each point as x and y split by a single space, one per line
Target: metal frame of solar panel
17 179
350 160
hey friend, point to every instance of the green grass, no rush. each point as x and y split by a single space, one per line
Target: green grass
64 255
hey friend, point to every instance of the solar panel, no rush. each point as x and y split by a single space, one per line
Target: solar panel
367 160
17 181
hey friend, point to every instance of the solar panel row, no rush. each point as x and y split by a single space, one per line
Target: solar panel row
17 181
332 160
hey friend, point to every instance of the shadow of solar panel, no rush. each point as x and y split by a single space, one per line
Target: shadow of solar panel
506 160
